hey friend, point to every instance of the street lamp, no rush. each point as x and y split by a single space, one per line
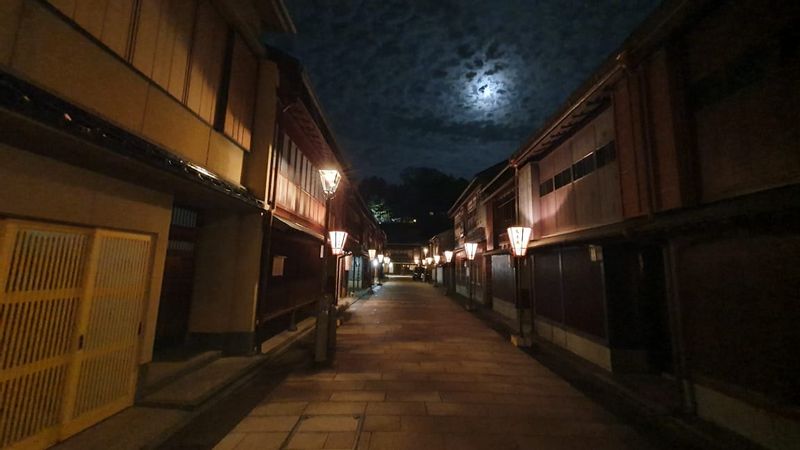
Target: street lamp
372 252
330 179
436 259
470 248
338 239
519 238
450 278
380 268
425 250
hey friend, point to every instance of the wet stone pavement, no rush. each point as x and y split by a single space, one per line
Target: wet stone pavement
413 370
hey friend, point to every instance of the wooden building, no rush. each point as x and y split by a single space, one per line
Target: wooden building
470 225
664 203
155 156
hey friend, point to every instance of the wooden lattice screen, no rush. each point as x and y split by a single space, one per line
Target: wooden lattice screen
70 325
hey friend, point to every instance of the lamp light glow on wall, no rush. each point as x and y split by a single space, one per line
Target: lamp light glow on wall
519 237
471 248
436 258
425 250
372 253
448 256
330 180
380 258
338 239
387 260
416 260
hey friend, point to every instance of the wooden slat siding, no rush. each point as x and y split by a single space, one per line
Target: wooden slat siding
146 38
67 7
662 128
627 122
564 196
117 26
208 54
164 44
54 289
536 202
90 15
110 21
106 374
582 285
588 198
525 195
39 266
608 176
182 15
549 200
239 110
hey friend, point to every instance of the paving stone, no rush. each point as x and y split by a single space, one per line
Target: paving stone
349 376
476 441
307 440
342 439
382 423
406 441
427 375
279 409
329 423
349 408
413 396
261 441
266 423
230 441
358 396
396 408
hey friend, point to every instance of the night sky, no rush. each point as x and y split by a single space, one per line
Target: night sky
452 85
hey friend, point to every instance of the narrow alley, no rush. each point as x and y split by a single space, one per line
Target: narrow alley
414 370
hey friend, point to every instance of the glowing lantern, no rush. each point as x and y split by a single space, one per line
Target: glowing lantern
448 255
338 238
380 258
330 180
471 248
519 237
372 253
436 258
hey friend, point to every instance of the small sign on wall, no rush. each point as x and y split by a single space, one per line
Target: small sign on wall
277 265
595 253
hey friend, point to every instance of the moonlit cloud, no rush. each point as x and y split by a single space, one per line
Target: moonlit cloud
454 85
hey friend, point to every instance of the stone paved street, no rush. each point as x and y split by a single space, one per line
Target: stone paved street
416 371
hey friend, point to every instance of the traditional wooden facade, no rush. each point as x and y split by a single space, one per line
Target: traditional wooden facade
664 202
470 225
154 157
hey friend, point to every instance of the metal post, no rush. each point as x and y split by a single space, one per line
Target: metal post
520 311
471 280
333 316
323 307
